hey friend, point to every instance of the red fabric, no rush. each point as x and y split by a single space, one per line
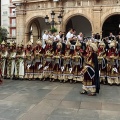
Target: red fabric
112 51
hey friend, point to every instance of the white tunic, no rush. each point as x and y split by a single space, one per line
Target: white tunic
45 37
4 61
69 36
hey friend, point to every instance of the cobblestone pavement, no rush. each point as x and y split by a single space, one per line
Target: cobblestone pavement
37 100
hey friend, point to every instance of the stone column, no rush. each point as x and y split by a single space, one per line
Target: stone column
27 38
97 20
35 33
20 29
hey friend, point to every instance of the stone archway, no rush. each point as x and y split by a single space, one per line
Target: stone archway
38 26
111 24
86 14
80 24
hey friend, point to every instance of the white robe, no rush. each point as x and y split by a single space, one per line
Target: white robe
13 64
4 62
21 67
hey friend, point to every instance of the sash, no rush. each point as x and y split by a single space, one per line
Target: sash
90 71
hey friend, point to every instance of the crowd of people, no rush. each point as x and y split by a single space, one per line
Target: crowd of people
64 58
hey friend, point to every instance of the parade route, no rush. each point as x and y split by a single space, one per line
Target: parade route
37 100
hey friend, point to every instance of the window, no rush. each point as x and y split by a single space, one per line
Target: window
4 13
13 32
13 12
4 22
4 2
13 21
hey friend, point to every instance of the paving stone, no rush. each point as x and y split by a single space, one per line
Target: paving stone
73 96
34 116
3 96
55 117
65 112
70 104
91 105
84 113
85 118
45 107
12 110
52 103
109 115
62 92
64 88
37 100
111 106
14 97
55 96
5 104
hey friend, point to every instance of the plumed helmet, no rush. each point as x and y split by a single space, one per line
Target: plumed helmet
94 46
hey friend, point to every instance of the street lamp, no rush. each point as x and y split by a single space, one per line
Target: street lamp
119 25
60 18
53 22
52 14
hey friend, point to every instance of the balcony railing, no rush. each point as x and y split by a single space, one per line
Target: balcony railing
12 25
11 36
12 15
11 5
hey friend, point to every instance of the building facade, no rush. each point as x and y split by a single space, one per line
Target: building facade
0 13
12 20
87 16
8 18
5 14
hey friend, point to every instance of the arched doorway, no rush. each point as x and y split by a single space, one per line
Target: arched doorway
80 24
111 24
35 29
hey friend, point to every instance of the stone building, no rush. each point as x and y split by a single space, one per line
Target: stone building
87 16
8 18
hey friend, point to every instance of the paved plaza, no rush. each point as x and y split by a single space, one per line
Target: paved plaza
37 100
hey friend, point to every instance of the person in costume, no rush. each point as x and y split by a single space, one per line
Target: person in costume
119 66
57 62
102 62
91 84
48 61
67 63
39 55
19 62
29 57
11 61
1 81
77 62
112 64
4 54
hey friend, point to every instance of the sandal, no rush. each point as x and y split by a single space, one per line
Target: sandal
92 94
83 92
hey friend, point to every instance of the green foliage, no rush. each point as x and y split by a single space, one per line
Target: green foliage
53 30
0 39
3 34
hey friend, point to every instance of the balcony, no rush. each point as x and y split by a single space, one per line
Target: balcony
11 36
11 5
20 2
12 25
12 15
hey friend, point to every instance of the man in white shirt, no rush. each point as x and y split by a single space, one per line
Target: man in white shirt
59 36
69 35
80 37
45 37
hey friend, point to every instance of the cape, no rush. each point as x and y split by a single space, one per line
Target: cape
97 79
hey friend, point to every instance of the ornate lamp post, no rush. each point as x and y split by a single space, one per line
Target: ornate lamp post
53 22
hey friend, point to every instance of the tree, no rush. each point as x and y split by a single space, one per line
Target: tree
3 34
